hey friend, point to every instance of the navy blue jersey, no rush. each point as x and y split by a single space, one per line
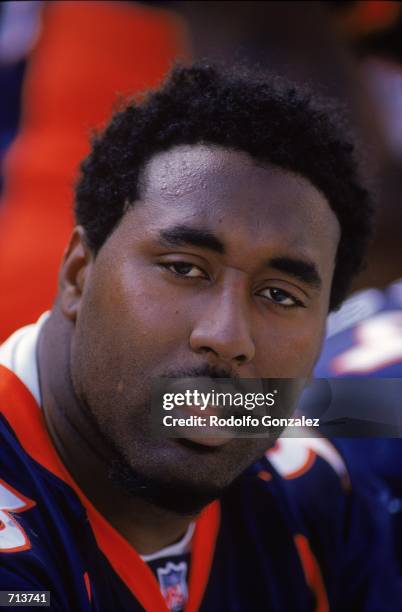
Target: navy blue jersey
301 541
365 341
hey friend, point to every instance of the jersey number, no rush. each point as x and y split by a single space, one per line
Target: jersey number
12 536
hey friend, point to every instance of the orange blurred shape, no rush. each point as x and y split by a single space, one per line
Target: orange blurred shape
88 55
369 16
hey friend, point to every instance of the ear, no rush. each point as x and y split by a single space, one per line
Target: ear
74 273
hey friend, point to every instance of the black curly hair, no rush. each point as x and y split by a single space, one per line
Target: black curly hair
268 117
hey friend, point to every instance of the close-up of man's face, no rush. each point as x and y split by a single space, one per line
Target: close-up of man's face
222 268
200 347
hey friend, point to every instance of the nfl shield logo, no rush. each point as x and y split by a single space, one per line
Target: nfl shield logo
172 579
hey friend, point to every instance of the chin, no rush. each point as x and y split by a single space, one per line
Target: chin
181 496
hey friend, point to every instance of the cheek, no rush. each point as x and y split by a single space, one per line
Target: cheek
137 313
291 352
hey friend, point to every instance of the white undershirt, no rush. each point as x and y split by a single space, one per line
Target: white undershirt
18 354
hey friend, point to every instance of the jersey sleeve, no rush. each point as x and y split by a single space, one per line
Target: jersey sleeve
37 551
346 523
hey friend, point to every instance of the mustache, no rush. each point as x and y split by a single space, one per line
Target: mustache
204 371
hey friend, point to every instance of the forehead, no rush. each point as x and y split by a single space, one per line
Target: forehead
242 201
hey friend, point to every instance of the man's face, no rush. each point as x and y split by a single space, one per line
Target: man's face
222 266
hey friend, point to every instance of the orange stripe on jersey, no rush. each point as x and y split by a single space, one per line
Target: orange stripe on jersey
312 573
206 531
264 475
88 586
27 420
311 455
290 458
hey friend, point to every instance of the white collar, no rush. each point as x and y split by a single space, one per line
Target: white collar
18 354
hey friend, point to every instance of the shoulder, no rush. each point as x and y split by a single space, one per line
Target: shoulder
345 520
314 474
296 457
39 513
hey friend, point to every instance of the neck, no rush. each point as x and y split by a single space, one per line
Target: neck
86 454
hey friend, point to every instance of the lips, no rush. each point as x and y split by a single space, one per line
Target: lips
209 440
206 436
195 426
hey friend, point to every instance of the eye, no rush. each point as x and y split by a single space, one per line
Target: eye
281 297
185 269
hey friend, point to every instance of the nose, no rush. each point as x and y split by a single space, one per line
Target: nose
223 331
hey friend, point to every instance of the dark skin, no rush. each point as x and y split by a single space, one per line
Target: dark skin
222 263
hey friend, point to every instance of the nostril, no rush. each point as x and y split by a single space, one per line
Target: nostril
207 349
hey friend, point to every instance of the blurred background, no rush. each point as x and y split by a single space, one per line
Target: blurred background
65 65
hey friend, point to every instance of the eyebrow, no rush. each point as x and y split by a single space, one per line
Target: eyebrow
182 235
302 270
